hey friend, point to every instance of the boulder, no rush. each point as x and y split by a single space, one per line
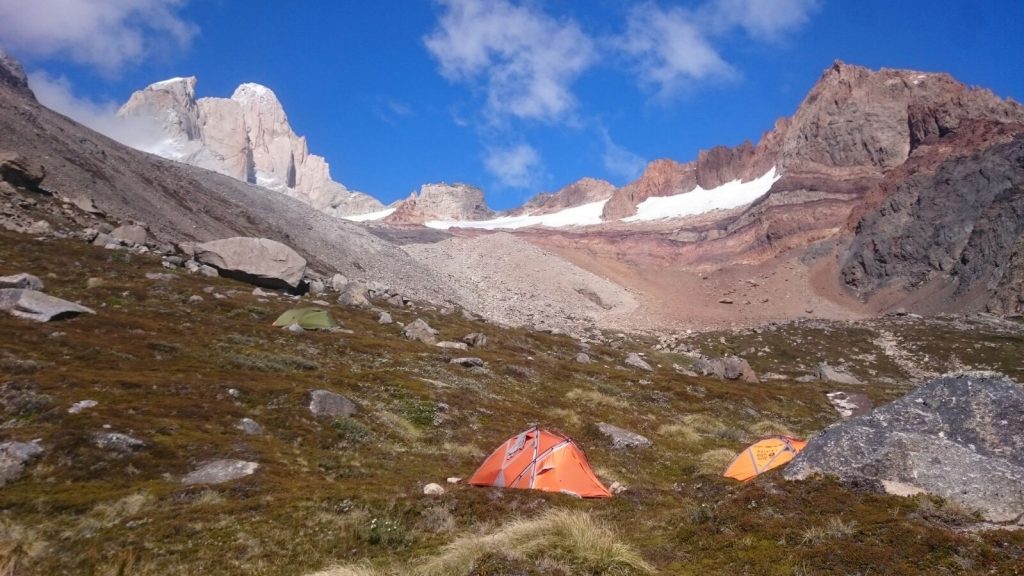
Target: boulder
709 367
22 280
475 339
219 471
316 286
468 362
34 305
622 438
583 358
633 359
960 437
258 261
117 442
419 330
82 405
130 234
17 169
385 318
830 374
736 368
354 294
338 282
453 345
330 404
14 457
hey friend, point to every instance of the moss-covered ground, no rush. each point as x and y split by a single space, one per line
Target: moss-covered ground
180 376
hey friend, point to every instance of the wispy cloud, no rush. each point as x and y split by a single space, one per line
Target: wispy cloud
56 93
526 58
106 34
514 166
618 160
672 49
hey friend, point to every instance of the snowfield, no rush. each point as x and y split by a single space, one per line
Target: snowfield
699 201
378 215
585 215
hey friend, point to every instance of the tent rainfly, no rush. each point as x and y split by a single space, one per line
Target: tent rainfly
308 318
763 455
540 460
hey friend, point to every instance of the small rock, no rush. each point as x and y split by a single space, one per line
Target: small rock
77 407
421 331
583 358
468 362
249 426
39 227
234 392
725 301
331 404
617 487
160 276
316 286
22 280
262 292
385 318
294 328
622 438
14 456
633 359
94 282
454 480
453 345
433 489
338 282
396 301
208 271
475 339
195 299
219 471
117 441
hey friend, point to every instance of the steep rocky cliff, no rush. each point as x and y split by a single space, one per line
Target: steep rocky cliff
247 137
441 202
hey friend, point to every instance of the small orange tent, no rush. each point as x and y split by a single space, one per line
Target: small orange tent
540 460
764 455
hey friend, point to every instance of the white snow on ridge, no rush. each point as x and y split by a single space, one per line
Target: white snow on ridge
698 201
166 83
584 215
378 215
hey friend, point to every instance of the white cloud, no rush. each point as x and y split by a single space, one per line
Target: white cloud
515 166
107 34
620 161
672 48
763 19
527 58
56 94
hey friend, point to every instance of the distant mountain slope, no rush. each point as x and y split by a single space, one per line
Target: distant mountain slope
247 137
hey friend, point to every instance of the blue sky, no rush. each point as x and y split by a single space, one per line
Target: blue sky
515 96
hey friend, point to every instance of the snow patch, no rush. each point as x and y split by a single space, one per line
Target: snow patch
378 215
252 91
584 215
167 83
699 201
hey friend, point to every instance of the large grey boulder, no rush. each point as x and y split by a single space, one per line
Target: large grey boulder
354 294
130 234
258 261
330 404
728 368
633 359
960 437
21 280
830 374
418 329
34 305
219 471
622 438
14 456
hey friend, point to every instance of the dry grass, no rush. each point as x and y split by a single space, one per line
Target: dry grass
683 432
715 461
595 398
764 428
359 570
834 529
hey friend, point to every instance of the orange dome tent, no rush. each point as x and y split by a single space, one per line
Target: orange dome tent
540 460
763 455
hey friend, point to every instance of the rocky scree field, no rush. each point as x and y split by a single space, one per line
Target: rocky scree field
344 494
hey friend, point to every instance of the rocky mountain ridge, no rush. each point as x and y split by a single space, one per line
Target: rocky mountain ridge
246 137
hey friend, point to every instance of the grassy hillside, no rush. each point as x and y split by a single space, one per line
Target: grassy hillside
179 375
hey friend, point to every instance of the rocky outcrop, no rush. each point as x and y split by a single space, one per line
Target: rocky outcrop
964 222
324 403
14 457
441 202
13 76
220 471
960 437
247 137
620 438
583 191
258 261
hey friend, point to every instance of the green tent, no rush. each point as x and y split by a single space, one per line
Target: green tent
308 318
